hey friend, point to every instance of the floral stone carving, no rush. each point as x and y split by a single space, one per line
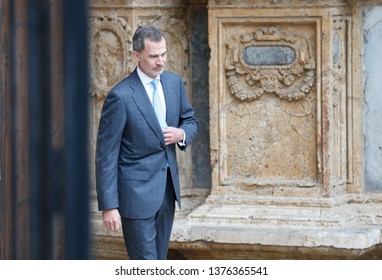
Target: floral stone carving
270 60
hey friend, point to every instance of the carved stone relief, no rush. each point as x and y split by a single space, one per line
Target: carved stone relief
270 60
268 114
109 54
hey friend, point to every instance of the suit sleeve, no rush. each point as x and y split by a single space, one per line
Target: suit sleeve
187 120
111 126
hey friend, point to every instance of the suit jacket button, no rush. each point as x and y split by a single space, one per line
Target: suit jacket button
164 169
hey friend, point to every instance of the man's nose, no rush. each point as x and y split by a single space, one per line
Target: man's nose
161 60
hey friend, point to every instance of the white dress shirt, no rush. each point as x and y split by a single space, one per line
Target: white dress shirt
146 81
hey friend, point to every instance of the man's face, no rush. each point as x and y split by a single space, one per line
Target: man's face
153 58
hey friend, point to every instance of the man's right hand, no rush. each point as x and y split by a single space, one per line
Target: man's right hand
111 219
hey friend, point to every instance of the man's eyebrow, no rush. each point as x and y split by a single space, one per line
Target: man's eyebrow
154 55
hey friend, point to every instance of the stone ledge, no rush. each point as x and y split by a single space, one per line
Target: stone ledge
356 237
354 225
201 250
270 216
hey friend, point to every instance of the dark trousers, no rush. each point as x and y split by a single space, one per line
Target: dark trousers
148 239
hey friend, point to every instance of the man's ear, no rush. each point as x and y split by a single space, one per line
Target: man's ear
136 56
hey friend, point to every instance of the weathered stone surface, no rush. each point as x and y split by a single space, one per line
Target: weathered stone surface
283 133
203 250
373 98
285 124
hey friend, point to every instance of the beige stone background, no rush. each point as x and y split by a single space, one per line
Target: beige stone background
286 140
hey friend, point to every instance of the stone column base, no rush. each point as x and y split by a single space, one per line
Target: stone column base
260 230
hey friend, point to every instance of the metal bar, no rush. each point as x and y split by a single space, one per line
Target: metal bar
13 132
41 211
76 129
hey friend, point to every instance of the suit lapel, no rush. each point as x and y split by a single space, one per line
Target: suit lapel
168 91
144 105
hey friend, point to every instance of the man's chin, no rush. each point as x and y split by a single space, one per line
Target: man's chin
156 73
159 71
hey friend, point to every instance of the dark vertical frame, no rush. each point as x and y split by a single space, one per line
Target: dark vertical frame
20 131
59 184
14 188
76 129
40 167
13 107
5 133
44 184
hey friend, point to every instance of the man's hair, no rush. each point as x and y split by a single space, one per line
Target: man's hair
146 32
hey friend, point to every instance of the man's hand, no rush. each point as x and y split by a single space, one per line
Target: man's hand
173 135
111 219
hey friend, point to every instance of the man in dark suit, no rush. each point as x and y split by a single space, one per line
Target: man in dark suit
137 178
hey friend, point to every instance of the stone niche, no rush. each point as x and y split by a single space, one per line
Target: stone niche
286 135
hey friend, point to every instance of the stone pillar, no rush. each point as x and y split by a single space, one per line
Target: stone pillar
286 102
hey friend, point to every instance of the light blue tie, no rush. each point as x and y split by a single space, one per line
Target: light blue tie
158 105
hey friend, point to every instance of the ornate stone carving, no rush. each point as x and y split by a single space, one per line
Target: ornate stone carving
109 55
270 60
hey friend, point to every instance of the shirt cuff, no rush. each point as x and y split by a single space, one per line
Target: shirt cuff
183 143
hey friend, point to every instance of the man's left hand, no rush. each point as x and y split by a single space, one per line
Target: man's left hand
172 135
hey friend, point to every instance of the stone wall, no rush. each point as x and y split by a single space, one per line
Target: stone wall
288 106
372 30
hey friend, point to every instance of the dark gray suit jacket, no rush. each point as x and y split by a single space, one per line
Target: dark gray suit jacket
131 168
